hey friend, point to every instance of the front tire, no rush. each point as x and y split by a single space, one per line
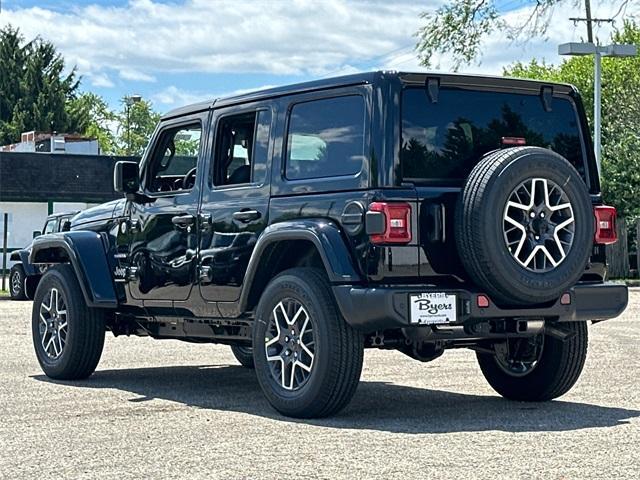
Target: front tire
554 371
17 283
68 336
308 360
244 355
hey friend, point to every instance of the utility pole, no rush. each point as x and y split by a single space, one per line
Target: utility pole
589 20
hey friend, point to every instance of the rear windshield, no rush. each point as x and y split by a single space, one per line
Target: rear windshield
444 140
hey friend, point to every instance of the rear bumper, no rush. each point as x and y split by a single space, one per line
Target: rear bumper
379 308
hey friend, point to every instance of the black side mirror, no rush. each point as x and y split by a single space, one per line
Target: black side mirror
66 225
36 233
126 177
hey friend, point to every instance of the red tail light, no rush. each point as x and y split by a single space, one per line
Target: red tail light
514 141
482 301
396 226
605 225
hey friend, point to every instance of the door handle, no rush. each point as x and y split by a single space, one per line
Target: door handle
246 215
183 220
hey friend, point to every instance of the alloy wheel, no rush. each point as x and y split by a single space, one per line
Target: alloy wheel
16 283
290 344
538 225
53 324
520 356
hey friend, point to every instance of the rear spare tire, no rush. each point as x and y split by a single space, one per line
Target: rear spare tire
524 225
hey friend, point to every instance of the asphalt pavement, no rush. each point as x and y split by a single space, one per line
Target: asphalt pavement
167 409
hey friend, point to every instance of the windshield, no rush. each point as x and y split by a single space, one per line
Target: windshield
445 140
50 226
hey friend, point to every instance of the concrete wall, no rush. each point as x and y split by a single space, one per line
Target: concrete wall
24 218
27 217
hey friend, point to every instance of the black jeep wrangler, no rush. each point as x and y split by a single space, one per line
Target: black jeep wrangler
23 276
300 225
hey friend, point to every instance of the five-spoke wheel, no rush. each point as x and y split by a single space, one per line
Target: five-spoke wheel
53 323
307 358
17 282
290 350
538 224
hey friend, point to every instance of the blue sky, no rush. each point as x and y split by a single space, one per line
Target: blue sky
175 52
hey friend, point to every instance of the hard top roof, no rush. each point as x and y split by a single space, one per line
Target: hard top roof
369 78
62 214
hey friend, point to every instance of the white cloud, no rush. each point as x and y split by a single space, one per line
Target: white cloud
100 80
142 37
174 96
144 40
135 75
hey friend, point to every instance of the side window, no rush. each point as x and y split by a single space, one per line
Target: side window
175 159
325 138
50 226
242 147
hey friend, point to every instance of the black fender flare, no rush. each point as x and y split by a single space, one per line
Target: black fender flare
22 257
85 251
324 234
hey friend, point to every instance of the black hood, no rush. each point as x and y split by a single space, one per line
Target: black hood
105 211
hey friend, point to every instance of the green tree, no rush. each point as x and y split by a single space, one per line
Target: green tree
136 127
35 87
96 120
620 114
458 27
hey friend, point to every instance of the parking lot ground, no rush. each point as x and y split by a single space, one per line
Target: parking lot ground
176 410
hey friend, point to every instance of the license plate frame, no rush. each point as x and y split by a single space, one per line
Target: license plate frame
433 308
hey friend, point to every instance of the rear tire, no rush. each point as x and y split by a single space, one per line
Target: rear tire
68 336
17 283
328 352
243 354
557 370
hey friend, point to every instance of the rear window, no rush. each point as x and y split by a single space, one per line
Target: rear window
326 138
445 140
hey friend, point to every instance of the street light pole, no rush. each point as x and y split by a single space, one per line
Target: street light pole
598 51
597 108
127 108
